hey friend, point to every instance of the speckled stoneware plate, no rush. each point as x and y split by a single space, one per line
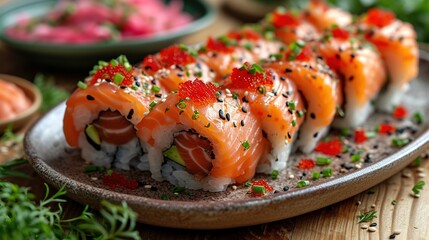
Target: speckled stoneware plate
60 165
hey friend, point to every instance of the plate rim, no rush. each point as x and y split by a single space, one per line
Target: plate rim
387 166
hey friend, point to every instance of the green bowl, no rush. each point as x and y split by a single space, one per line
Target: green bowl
74 56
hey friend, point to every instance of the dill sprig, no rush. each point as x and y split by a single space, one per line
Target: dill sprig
418 187
6 169
51 94
367 216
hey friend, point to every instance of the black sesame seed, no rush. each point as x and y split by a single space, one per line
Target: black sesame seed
375 146
180 67
285 188
130 114
221 114
244 99
276 191
244 109
108 80
346 166
368 158
180 74
123 87
351 78
228 117
90 98
290 111
313 116
373 225
285 95
219 99
288 70
282 78
269 115
392 236
337 56
158 95
316 134
242 123
288 135
264 134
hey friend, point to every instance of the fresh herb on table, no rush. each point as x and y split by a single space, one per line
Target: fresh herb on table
367 216
6 171
23 218
9 135
51 94
418 187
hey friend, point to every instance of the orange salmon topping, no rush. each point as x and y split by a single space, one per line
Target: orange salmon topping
198 92
250 77
283 19
379 17
218 45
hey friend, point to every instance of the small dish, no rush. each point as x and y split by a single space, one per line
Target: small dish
86 55
32 93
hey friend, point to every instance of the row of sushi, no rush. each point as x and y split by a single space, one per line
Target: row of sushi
207 116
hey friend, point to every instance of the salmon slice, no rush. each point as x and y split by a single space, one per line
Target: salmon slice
235 136
84 106
277 105
361 70
195 151
290 27
318 85
114 128
13 100
174 65
323 17
396 41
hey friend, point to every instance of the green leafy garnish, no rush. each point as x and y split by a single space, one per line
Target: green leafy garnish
246 145
303 183
323 161
9 135
418 117
274 174
367 216
418 187
5 169
400 142
51 94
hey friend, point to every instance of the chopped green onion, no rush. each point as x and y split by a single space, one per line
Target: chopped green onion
165 197
114 63
418 187
246 145
196 115
181 104
418 162
155 89
323 161
316 175
93 168
345 132
258 189
370 134
178 189
276 56
134 87
248 46
235 95
152 105
274 174
248 184
418 117
300 113
356 157
82 85
261 90
327 172
118 78
292 105
303 183
400 142
294 123
183 47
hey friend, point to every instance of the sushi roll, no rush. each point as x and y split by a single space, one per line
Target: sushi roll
319 87
101 115
323 17
396 41
175 64
201 139
361 70
278 106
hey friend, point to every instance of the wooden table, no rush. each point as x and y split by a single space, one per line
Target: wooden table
409 218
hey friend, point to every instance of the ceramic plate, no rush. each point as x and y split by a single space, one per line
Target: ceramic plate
86 55
60 165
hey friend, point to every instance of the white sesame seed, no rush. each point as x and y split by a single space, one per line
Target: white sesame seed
420 169
234 187
359 202
421 175
364 226
358 165
228 94
291 176
227 90
406 173
145 113
373 206
372 229
94 179
147 186
246 93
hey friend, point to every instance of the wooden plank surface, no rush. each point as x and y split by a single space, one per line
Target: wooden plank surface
409 217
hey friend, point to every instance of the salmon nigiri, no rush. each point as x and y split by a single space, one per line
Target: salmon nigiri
396 41
278 106
319 86
216 125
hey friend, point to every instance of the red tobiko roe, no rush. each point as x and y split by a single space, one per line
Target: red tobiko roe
167 57
380 17
400 112
248 34
283 19
198 92
117 180
305 54
340 33
243 78
333 62
360 136
109 72
219 46
306 164
332 147
386 128
262 183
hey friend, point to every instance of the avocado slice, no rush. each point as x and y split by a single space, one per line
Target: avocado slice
92 136
173 154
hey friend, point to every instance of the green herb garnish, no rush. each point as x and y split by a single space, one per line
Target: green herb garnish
418 187
274 174
418 117
367 216
356 157
196 115
246 145
9 135
400 142
5 169
52 95
258 189
155 89
316 175
181 104
394 202
303 183
327 172
323 161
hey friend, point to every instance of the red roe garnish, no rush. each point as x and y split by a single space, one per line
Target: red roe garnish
333 62
248 34
306 164
114 72
198 92
400 112
340 33
250 77
257 185
305 54
379 17
283 19
151 64
116 180
167 57
360 136
332 147
386 128
218 46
